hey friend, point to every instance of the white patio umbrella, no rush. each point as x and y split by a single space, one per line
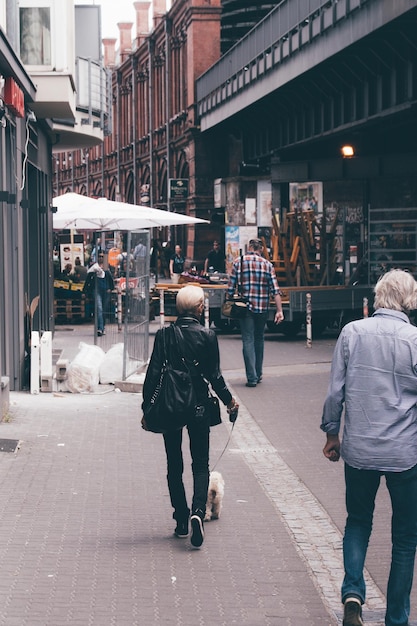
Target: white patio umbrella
81 212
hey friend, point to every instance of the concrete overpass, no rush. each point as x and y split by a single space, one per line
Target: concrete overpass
313 69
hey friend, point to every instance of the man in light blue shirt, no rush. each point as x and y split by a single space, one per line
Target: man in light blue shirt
374 375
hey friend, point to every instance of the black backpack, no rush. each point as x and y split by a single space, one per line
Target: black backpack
173 402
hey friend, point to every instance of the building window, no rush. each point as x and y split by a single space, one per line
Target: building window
35 36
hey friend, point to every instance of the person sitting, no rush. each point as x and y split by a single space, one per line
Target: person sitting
67 273
80 271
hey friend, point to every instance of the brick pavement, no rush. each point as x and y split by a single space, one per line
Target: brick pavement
86 522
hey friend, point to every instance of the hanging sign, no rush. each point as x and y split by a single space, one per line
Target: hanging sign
14 97
178 189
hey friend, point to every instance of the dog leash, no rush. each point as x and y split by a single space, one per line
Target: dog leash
225 447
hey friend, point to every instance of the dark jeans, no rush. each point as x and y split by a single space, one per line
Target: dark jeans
198 433
361 490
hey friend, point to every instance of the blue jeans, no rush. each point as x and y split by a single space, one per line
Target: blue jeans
198 433
102 305
361 490
252 328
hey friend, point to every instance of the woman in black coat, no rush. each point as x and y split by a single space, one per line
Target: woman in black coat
200 344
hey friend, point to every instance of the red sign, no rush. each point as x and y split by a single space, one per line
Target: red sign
13 97
133 282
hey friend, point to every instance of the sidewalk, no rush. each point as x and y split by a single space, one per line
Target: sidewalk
86 526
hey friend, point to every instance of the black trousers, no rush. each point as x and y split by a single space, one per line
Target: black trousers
199 435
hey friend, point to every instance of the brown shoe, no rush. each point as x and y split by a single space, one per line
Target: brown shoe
352 615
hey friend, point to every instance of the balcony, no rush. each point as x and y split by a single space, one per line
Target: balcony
78 106
55 95
59 46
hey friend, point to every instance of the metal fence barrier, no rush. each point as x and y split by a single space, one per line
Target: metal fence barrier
126 312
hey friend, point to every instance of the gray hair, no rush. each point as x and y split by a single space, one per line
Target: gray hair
396 290
256 244
189 298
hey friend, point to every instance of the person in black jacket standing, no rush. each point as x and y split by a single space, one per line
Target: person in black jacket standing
216 260
200 345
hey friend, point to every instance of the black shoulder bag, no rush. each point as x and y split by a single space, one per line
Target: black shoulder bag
173 402
237 306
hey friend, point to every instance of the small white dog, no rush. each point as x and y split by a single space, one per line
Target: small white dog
214 496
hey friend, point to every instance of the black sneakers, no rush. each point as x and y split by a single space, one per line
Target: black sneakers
352 615
197 529
181 529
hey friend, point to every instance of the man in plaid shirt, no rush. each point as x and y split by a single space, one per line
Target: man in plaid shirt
257 282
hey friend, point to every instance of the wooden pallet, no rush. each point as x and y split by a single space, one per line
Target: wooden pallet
69 310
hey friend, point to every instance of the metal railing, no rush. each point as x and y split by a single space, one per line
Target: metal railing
290 26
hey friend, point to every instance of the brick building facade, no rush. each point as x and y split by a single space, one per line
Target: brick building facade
155 136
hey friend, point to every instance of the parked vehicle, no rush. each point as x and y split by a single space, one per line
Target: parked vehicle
331 306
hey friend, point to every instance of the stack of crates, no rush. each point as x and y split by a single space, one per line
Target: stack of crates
69 302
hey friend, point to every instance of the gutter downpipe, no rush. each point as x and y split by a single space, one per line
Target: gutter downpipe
151 43
119 80
134 106
168 31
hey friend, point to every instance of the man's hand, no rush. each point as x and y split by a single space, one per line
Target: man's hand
332 448
279 316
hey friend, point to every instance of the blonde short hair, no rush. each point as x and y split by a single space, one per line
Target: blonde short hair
396 290
189 298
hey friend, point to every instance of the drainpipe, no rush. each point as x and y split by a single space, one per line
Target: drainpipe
119 81
150 120
87 169
168 31
134 105
102 167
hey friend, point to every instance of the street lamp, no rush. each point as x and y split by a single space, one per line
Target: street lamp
347 151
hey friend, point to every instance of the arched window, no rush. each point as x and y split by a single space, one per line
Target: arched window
129 189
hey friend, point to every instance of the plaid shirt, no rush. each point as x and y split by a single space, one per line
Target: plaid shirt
258 281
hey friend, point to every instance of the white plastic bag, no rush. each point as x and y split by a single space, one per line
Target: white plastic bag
83 373
111 368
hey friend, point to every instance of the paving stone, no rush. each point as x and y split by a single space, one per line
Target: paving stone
87 528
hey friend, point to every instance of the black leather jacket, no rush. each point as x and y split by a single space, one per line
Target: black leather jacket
200 344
